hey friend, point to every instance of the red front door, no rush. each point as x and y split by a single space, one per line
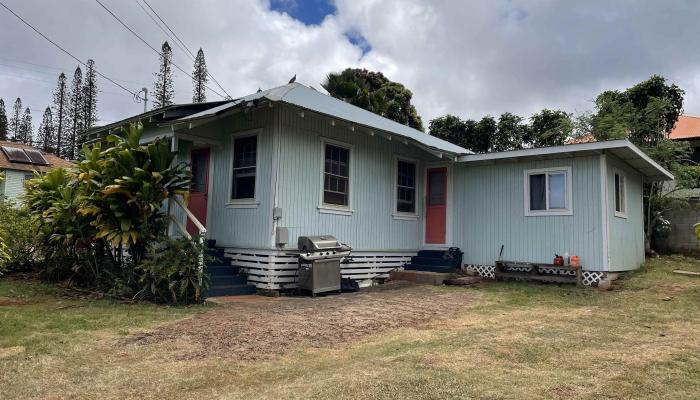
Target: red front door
199 189
436 206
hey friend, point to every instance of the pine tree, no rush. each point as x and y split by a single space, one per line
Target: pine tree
164 91
76 111
3 121
90 96
45 139
16 119
199 79
26 129
60 111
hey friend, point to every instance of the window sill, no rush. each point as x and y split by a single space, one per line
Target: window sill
620 215
405 217
243 204
549 213
335 210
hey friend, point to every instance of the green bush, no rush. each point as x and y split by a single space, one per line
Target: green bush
171 273
17 237
98 222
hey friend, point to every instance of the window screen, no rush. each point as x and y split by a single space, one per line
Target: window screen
336 174
244 167
620 194
406 187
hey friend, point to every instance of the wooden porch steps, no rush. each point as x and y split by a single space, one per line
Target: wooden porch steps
224 278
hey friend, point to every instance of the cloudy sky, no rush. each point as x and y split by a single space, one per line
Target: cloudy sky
467 58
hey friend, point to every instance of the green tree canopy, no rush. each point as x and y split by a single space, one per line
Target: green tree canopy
374 92
549 128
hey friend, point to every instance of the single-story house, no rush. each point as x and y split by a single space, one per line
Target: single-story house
291 161
18 163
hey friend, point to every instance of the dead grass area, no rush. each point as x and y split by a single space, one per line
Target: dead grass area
259 328
500 340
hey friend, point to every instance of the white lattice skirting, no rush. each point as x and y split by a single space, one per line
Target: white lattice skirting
588 278
277 270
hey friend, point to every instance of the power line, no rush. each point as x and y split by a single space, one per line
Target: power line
61 48
151 47
183 43
164 31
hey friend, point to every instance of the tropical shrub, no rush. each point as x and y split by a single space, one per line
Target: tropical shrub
17 237
171 272
97 221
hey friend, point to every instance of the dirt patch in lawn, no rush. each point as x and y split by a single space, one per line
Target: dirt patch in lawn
258 330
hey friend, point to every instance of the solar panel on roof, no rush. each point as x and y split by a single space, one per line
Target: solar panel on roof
36 157
15 154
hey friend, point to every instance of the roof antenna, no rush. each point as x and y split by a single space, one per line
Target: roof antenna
294 79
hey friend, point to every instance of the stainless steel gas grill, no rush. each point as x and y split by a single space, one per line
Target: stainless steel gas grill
319 263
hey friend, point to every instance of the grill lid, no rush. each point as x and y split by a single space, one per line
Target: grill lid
318 243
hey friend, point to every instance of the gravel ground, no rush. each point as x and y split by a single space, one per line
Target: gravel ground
258 328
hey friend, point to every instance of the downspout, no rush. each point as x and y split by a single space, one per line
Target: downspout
605 221
274 182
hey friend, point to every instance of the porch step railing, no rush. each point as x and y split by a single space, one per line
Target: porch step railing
183 230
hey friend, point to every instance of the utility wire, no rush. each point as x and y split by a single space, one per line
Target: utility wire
183 44
61 48
165 32
151 47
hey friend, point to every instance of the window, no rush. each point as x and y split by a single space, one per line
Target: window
336 176
26 178
405 187
620 195
245 159
548 191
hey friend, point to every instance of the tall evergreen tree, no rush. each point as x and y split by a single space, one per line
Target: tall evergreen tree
16 118
45 139
3 121
199 78
26 129
60 112
90 95
164 92
77 108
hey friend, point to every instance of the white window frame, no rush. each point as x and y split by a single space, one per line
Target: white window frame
244 203
569 198
333 208
404 215
623 188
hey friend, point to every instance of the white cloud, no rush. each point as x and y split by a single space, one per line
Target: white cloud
466 58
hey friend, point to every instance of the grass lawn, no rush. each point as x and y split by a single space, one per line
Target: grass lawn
513 341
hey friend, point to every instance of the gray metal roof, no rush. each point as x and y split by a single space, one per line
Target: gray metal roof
622 148
310 99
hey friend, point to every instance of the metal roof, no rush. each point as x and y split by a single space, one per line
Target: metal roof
310 99
623 149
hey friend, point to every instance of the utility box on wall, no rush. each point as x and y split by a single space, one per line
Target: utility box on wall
281 236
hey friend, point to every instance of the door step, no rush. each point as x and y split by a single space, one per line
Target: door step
423 277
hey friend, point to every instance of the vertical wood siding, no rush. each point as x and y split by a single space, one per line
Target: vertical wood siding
626 234
371 225
489 211
239 227
14 185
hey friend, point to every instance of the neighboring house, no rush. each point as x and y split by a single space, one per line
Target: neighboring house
681 238
291 161
18 163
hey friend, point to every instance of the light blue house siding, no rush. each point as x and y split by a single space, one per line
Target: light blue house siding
626 235
13 186
489 211
247 226
372 225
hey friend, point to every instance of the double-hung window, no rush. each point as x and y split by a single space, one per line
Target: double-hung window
548 191
245 161
620 195
336 176
405 187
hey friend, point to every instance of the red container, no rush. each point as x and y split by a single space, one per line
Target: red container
558 260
